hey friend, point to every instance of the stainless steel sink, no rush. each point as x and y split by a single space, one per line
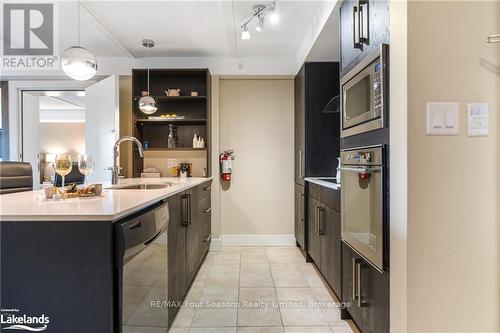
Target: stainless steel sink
144 186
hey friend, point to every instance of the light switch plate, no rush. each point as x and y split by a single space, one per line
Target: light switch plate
443 118
477 119
171 162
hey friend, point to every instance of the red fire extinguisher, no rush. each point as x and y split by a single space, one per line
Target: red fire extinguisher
226 165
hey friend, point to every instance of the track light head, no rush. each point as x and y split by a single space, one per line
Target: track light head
245 34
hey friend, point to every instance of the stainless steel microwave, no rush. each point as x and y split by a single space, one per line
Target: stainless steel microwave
365 91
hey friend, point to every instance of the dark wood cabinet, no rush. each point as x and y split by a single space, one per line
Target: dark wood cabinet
192 112
366 291
317 143
177 270
313 235
300 227
364 25
189 236
323 230
331 248
197 207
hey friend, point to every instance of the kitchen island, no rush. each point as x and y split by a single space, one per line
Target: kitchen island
68 260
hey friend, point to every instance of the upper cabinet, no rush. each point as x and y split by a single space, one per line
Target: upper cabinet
364 25
317 128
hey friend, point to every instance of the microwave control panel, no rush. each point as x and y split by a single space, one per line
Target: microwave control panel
377 89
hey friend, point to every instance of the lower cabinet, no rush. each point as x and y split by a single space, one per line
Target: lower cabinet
366 291
300 227
323 234
189 236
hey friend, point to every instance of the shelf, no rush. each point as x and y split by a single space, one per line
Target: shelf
173 149
176 98
171 121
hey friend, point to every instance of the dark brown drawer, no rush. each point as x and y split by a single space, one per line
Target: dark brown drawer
325 195
205 211
204 189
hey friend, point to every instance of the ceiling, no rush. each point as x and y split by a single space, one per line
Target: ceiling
62 107
194 34
194 28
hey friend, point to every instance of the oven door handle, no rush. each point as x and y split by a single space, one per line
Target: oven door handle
360 170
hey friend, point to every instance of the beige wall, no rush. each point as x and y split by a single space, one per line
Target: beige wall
399 166
256 120
453 227
158 160
59 138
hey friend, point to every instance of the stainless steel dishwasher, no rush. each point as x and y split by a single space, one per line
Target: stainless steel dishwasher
141 271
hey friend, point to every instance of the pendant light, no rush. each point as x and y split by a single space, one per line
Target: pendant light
147 104
77 62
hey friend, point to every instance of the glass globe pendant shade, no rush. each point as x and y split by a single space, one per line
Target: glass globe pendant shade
147 105
78 63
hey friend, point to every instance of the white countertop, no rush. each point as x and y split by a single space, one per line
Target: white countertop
114 204
319 181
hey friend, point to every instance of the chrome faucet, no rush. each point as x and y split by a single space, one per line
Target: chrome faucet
116 169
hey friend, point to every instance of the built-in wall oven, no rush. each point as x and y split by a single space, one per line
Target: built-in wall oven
365 94
142 271
363 202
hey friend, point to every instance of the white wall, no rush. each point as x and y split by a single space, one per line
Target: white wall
445 248
256 120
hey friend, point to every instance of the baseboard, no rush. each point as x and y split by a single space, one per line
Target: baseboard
258 240
216 244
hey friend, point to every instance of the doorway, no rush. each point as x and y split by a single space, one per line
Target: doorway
53 122
69 122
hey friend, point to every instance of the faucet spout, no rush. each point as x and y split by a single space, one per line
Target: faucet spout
116 169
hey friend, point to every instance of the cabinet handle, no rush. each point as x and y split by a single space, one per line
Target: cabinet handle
301 207
362 13
207 188
321 229
316 224
300 164
208 210
358 281
208 239
355 28
184 208
353 279
189 208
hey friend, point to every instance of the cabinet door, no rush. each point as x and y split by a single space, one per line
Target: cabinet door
373 23
348 24
374 293
349 283
204 225
192 235
378 22
299 215
313 240
300 126
331 248
177 269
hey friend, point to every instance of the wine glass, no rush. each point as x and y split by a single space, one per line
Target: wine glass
86 165
63 166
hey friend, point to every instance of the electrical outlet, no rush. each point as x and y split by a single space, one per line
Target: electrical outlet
171 162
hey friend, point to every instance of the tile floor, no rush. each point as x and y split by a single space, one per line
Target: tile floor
259 290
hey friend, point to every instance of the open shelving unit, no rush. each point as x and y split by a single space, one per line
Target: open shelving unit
195 110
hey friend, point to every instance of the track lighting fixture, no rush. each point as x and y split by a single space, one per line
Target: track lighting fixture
259 13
